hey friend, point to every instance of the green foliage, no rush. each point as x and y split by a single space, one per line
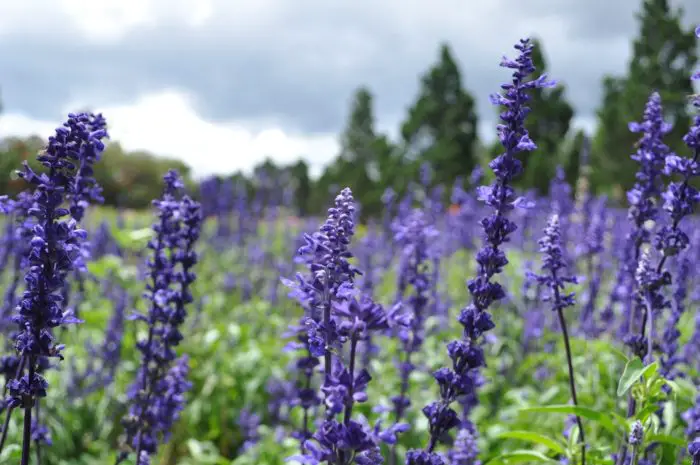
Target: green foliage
663 57
358 153
441 126
235 347
300 177
128 179
634 370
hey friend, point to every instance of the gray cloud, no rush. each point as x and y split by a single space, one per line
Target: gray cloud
300 65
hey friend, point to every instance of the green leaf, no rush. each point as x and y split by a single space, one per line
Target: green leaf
604 420
101 268
650 370
518 456
142 234
537 438
669 416
618 353
644 414
682 388
135 239
667 439
634 370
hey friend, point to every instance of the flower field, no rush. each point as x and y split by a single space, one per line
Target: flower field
477 326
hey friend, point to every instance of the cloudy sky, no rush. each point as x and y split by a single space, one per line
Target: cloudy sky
223 83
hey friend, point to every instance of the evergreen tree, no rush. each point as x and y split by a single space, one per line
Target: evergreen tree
302 183
359 161
664 54
441 127
574 155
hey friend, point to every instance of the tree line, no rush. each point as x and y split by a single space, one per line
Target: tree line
440 128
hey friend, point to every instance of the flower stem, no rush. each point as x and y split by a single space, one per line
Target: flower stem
572 382
27 434
348 407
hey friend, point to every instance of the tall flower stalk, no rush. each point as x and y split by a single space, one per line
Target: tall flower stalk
555 278
414 237
643 199
157 395
681 200
346 316
467 354
54 252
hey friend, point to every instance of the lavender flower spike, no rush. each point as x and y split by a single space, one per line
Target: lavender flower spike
466 354
347 316
554 277
678 201
681 198
651 155
53 253
157 394
90 129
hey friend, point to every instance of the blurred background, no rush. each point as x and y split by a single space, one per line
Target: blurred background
319 94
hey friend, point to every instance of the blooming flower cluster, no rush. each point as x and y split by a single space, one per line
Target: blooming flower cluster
53 252
554 278
414 236
466 354
651 155
681 200
338 313
157 394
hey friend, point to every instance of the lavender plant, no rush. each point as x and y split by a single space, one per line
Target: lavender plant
157 394
643 198
54 252
466 354
414 237
345 316
680 200
555 278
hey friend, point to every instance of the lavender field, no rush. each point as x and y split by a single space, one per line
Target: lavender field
480 325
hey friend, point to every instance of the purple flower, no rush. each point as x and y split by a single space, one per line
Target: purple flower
680 198
650 297
337 313
669 345
636 433
53 252
157 394
249 422
465 450
554 267
694 451
326 255
421 457
86 132
466 354
555 278
562 203
651 155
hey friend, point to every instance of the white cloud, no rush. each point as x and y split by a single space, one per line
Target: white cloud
166 124
321 40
